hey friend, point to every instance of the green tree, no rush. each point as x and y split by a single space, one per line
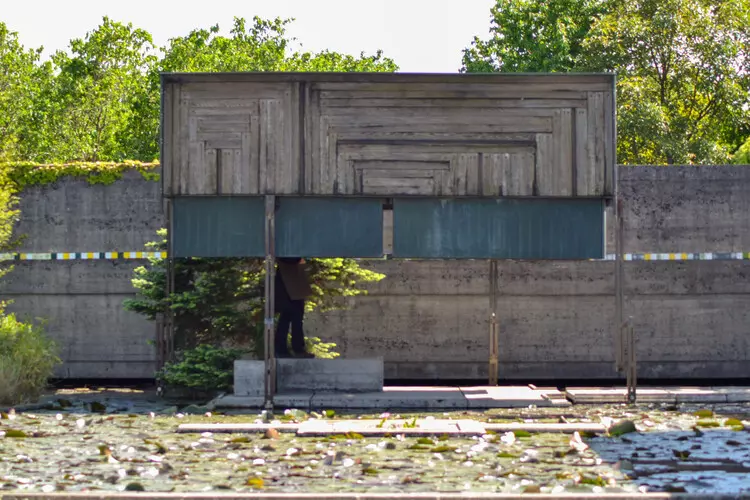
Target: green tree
23 80
533 36
682 66
218 301
684 70
262 45
98 89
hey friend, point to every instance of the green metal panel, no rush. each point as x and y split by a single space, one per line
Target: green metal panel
218 227
329 227
501 228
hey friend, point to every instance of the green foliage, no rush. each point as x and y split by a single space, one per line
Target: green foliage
533 36
684 76
23 80
25 174
219 301
27 358
100 100
742 155
203 368
683 67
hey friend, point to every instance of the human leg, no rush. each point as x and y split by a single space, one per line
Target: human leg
282 334
297 313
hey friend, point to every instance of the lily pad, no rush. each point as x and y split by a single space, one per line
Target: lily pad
134 486
622 427
704 413
14 433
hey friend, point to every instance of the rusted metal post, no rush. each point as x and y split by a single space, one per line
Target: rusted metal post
632 374
494 341
268 322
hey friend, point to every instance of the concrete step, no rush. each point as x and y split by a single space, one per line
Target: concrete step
304 375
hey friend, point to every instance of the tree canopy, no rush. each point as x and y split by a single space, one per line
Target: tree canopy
683 67
99 100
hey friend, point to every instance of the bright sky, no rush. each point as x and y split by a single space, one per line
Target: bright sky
420 35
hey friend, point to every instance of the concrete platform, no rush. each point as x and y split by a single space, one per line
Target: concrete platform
406 398
305 375
682 394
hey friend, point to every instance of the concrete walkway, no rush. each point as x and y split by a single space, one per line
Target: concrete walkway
484 397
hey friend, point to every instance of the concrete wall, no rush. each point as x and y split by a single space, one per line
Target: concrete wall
430 319
82 299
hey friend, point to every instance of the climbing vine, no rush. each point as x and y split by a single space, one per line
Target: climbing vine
25 174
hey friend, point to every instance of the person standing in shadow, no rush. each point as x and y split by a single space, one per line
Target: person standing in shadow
292 288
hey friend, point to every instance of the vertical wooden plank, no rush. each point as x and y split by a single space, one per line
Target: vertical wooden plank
500 167
183 143
283 144
519 174
167 140
564 172
544 164
332 167
267 159
253 154
312 139
459 167
596 133
609 143
585 172
295 128
228 173
324 173
472 174
202 177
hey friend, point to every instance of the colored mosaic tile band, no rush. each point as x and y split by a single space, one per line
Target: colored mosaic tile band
162 255
82 255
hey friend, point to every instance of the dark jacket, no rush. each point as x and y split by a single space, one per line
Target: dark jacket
291 281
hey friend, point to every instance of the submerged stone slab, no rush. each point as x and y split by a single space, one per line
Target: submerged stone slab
331 375
397 426
249 377
589 395
394 398
511 397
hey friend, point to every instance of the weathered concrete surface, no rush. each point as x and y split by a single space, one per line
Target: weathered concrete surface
82 301
341 375
249 378
429 320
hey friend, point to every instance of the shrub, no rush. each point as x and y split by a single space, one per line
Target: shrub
27 358
203 368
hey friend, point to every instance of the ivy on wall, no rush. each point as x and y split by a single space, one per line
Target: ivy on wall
25 174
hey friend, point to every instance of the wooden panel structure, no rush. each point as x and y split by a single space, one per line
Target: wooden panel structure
375 134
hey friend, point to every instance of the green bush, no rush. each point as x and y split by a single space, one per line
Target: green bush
203 368
27 358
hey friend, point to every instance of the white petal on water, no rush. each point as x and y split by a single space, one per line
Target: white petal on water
259 461
80 423
48 488
348 462
207 434
508 438
58 417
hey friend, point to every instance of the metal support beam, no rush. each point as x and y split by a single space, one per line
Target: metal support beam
494 341
268 323
632 376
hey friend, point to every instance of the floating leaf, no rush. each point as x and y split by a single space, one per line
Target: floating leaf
255 482
444 437
443 449
424 440
134 486
520 433
418 447
505 454
704 414
733 422
14 433
370 471
272 434
708 423
98 407
595 481
681 454
532 488
241 439
622 427
329 413
732 442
